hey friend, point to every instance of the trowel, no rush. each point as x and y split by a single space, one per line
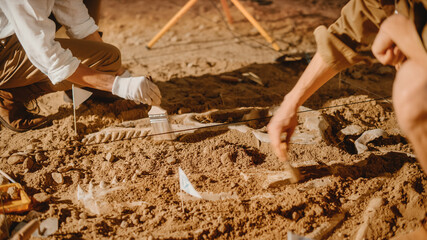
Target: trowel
290 175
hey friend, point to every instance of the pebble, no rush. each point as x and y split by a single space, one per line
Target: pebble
124 224
8 153
40 157
225 158
83 216
15 159
171 160
295 216
41 197
356 75
110 157
57 177
13 193
28 163
65 168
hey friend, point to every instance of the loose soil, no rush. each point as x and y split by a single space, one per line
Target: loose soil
136 192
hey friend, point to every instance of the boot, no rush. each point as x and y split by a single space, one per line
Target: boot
13 113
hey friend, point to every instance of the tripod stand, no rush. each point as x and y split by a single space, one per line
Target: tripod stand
224 4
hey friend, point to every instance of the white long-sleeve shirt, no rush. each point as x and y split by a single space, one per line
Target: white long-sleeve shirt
29 20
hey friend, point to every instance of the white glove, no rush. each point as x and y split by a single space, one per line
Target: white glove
138 89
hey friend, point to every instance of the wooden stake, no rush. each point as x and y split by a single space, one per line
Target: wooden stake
74 111
255 24
171 22
227 11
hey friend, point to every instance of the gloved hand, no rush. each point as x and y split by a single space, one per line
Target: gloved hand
138 89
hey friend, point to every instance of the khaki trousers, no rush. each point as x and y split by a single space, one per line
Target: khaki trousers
16 70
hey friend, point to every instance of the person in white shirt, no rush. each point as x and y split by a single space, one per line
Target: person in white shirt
33 62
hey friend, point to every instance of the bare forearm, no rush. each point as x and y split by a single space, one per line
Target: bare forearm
87 77
317 73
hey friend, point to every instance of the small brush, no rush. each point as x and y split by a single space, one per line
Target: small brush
295 174
160 123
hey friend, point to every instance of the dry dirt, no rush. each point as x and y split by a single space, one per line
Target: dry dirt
135 182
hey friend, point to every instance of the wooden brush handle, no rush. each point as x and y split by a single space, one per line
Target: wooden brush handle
284 150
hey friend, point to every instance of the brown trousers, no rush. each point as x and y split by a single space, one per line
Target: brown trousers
16 70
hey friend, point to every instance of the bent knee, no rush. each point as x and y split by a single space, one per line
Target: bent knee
409 95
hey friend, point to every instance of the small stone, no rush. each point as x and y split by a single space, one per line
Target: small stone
295 216
65 168
41 197
28 163
124 224
57 177
16 158
171 160
174 39
102 185
8 153
226 158
40 157
14 193
30 148
110 157
83 215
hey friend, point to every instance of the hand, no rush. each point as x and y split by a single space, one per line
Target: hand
138 89
283 121
385 50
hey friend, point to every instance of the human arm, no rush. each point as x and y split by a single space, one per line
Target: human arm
317 73
337 48
139 89
397 39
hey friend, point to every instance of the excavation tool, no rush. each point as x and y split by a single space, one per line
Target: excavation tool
294 173
160 123
290 175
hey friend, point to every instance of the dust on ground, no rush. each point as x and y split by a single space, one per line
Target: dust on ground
135 181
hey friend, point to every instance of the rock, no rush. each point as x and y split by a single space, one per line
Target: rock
385 70
57 177
14 193
226 158
8 153
124 224
41 197
30 148
102 185
28 163
110 157
367 137
83 216
171 160
16 158
40 157
65 168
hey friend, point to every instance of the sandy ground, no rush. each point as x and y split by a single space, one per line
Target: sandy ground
135 185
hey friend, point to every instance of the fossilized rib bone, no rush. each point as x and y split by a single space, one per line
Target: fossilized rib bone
115 134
